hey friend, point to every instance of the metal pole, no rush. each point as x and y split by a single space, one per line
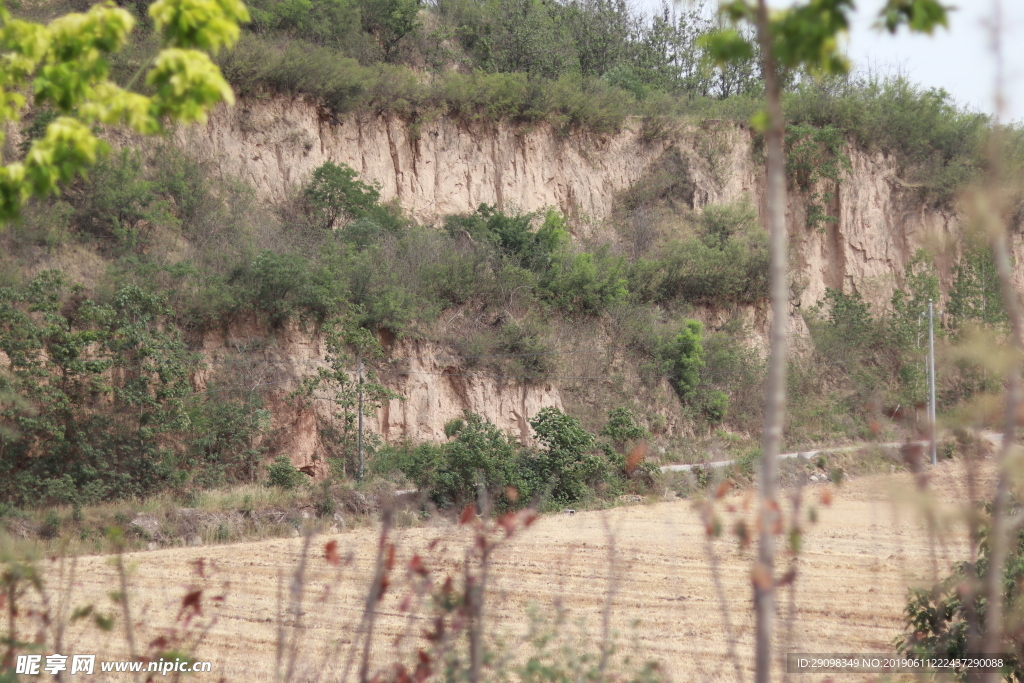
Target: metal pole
931 377
359 474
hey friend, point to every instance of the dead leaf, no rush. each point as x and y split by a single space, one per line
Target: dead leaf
331 553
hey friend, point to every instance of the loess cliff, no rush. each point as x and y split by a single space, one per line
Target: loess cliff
446 166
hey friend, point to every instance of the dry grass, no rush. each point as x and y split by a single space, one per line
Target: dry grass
857 563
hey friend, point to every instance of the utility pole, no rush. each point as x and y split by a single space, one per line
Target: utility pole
359 474
931 378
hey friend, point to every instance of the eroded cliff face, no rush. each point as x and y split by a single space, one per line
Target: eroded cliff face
444 167
447 167
434 385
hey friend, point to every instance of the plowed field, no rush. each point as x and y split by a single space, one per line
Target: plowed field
856 565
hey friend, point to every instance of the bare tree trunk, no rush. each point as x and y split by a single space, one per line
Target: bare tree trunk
763 580
996 228
999 540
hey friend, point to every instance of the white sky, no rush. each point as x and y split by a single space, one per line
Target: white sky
958 59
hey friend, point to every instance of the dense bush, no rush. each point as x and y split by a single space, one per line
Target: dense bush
727 263
282 474
569 468
336 197
938 144
479 455
221 446
103 389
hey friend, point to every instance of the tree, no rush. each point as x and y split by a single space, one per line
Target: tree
684 358
568 464
64 66
803 36
348 394
975 295
102 388
389 21
480 454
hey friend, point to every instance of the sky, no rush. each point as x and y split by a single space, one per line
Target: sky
958 59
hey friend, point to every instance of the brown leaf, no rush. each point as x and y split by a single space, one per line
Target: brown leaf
422 667
416 566
159 644
529 516
508 522
401 675
384 583
468 513
913 455
192 604
331 553
200 566
406 602
512 493
826 497
723 488
636 456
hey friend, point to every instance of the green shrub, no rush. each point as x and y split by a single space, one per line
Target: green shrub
102 389
584 283
336 196
51 525
975 296
117 198
453 426
480 454
715 406
223 431
282 474
726 264
938 144
512 234
682 358
938 620
748 461
569 465
622 427
815 155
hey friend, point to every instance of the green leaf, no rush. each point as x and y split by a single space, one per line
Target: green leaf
922 16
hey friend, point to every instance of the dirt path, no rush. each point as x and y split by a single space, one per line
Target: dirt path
855 569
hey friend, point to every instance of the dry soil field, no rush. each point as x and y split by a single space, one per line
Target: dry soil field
857 563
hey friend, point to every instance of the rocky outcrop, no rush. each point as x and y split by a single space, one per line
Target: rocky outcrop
438 387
